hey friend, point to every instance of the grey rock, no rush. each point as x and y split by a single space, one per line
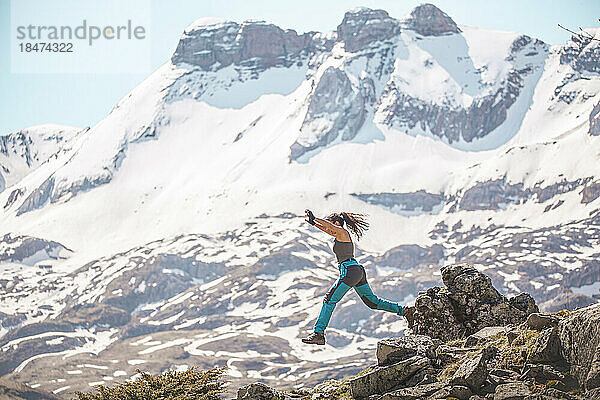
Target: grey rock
580 345
396 349
540 321
469 304
22 249
546 348
428 20
484 334
414 392
420 201
452 392
363 26
591 192
552 394
333 100
217 46
595 121
259 391
542 373
512 391
383 379
582 54
472 373
38 197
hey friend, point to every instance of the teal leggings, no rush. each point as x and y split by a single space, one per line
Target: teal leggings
352 274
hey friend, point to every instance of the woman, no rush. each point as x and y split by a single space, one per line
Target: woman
352 274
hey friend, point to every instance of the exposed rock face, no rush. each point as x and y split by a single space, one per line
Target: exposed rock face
363 26
469 303
28 250
396 349
590 193
546 348
455 122
416 202
445 121
383 379
580 343
38 198
497 194
219 45
336 111
595 121
428 20
582 54
472 372
512 391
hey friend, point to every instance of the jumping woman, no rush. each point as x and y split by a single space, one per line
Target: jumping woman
352 274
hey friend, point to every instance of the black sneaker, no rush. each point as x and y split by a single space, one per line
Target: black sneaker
315 338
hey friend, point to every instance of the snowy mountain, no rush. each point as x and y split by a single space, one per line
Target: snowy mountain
170 233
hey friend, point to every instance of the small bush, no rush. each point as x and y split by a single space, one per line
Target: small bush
192 384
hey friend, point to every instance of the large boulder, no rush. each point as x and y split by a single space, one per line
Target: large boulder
397 349
467 304
383 379
580 345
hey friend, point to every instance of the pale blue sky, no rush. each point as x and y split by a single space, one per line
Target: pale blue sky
84 99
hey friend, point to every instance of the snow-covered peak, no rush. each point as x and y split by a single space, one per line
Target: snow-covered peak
205 23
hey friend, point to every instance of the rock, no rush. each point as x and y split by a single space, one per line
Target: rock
484 334
525 303
546 348
552 394
540 321
397 349
580 340
469 304
428 20
363 26
216 46
335 111
593 394
452 392
415 392
595 121
472 373
383 379
38 197
258 391
582 54
592 191
512 391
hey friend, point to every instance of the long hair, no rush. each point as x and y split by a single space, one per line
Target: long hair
357 223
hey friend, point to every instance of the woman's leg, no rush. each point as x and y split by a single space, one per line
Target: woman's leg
349 276
376 303
335 294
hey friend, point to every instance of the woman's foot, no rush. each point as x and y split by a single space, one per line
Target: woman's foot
315 338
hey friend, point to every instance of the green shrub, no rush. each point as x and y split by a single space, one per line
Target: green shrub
192 384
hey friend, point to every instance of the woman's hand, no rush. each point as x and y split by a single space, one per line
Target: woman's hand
310 217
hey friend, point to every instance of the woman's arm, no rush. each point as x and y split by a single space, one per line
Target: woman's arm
329 228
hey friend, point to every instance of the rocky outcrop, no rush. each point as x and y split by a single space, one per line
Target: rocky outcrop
595 121
580 345
335 112
218 45
416 202
28 250
428 20
590 193
468 303
363 26
582 54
